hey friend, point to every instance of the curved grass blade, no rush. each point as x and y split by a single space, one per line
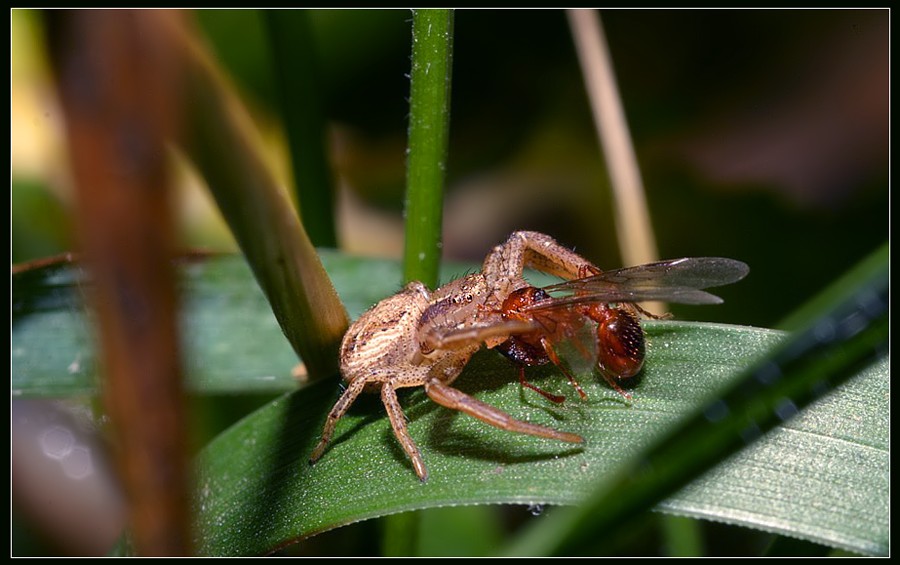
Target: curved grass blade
270 497
222 143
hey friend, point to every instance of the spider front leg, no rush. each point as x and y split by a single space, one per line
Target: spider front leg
504 265
395 415
450 397
398 423
340 408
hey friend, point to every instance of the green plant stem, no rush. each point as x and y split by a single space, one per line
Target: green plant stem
429 122
784 546
400 536
222 142
297 77
682 536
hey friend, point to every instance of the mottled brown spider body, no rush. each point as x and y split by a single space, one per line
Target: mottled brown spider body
422 338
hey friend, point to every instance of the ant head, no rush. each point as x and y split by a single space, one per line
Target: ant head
522 298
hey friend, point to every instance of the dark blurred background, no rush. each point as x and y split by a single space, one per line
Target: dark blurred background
761 135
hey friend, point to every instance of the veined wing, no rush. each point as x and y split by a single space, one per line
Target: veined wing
674 280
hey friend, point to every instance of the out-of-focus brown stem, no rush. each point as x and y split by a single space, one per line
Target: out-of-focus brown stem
635 231
119 84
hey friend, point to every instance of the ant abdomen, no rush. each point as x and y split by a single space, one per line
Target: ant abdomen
620 343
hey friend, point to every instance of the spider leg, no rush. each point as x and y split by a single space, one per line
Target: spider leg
340 408
490 331
523 249
398 423
457 400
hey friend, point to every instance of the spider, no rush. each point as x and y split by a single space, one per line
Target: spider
422 338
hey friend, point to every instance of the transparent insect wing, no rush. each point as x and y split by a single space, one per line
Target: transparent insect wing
578 349
678 295
676 280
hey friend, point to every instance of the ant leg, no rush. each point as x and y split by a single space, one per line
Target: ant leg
457 400
588 271
339 409
398 423
551 353
612 382
549 396
651 315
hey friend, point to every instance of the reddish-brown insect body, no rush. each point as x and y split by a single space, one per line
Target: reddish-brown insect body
528 349
620 342
524 349
619 347
537 347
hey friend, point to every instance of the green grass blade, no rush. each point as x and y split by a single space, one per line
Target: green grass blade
429 124
857 277
222 143
233 343
298 83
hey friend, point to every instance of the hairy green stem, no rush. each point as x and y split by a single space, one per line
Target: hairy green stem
429 124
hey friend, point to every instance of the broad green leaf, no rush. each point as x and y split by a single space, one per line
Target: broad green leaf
270 495
232 341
